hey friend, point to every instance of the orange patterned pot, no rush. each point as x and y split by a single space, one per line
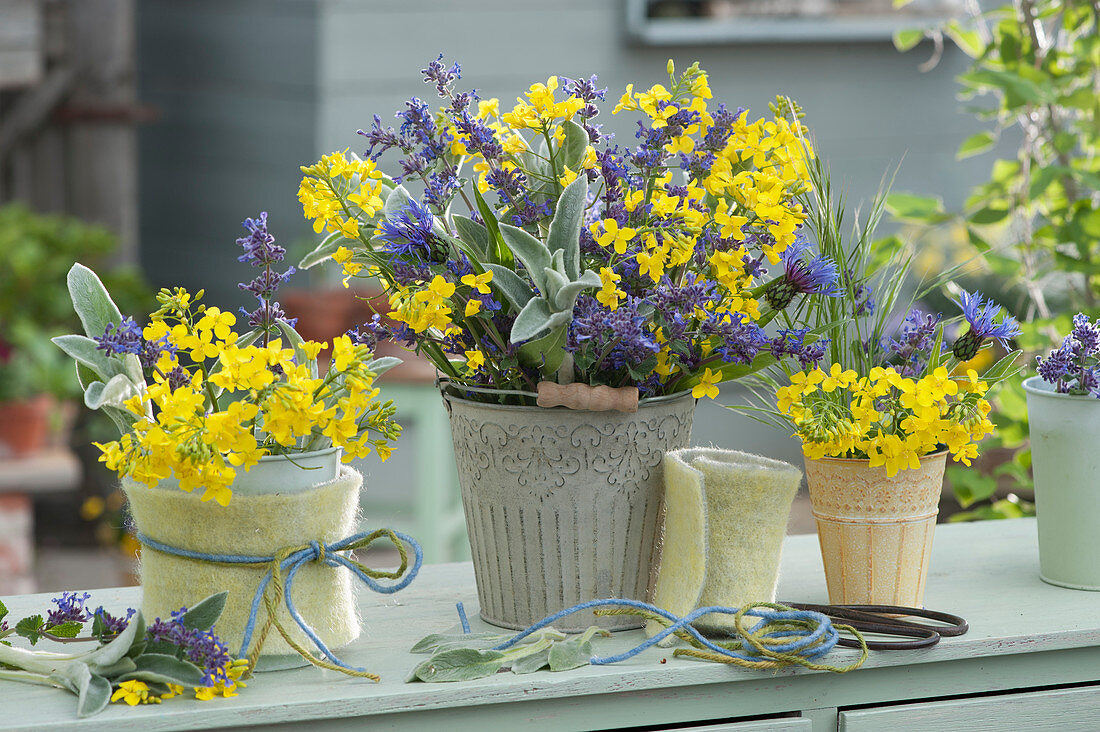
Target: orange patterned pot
875 532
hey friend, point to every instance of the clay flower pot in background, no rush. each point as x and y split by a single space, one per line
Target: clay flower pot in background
25 425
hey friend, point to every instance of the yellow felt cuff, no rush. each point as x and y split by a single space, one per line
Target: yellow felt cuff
256 526
725 518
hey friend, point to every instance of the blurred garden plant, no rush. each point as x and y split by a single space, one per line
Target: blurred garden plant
196 401
1034 78
891 395
536 250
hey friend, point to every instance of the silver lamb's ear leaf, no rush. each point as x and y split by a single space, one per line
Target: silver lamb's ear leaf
567 296
460 664
381 365
85 351
94 697
532 662
532 321
570 654
509 284
398 200
573 145
565 227
113 393
91 301
554 282
324 250
474 234
529 250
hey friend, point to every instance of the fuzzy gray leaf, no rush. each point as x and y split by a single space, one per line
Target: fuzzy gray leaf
473 640
91 301
529 250
460 664
85 351
509 284
474 234
565 228
572 148
205 612
165 669
567 296
555 281
569 654
113 393
532 662
398 200
532 321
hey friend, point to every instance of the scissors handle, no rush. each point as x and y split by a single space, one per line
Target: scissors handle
874 619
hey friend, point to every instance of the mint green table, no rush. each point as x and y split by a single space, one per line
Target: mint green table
1030 661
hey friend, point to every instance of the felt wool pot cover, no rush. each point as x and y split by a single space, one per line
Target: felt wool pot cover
255 525
562 505
725 517
875 531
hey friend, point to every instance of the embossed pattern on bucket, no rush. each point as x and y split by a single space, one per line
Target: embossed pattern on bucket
562 506
875 532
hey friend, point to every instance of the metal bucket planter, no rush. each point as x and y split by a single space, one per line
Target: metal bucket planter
278 503
875 531
1066 465
562 506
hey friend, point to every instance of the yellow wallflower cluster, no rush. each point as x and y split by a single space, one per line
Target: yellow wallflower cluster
540 109
884 416
336 190
232 404
134 692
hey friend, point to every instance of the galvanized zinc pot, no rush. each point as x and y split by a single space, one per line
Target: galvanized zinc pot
562 505
875 531
1066 466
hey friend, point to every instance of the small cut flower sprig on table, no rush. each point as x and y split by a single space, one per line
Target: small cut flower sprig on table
197 401
520 246
130 663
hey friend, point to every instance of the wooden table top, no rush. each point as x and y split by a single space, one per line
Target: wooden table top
986 572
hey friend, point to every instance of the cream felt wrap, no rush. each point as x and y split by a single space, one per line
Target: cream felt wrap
254 525
725 518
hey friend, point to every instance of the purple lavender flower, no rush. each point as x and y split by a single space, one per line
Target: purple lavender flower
1086 333
979 313
818 276
369 333
1072 367
261 251
113 625
127 338
441 76
611 341
201 647
914 346
70 608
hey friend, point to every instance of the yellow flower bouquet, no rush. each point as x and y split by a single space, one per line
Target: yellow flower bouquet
198 402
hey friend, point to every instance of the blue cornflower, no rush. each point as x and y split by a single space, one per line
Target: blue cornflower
979 313
409 235
818 276
70 608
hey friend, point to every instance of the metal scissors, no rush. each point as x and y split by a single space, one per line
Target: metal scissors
884 620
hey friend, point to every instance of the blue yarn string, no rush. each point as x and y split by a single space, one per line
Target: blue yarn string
462 618
289 568
810 645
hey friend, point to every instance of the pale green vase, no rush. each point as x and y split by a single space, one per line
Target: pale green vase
1066 465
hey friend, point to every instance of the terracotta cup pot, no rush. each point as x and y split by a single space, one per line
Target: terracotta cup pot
875 531
25 425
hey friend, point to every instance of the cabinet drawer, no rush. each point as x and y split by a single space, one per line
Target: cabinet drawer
1060 709
790 724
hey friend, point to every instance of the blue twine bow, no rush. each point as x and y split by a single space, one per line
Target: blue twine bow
290 560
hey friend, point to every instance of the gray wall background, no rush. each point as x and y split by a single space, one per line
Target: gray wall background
251 89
